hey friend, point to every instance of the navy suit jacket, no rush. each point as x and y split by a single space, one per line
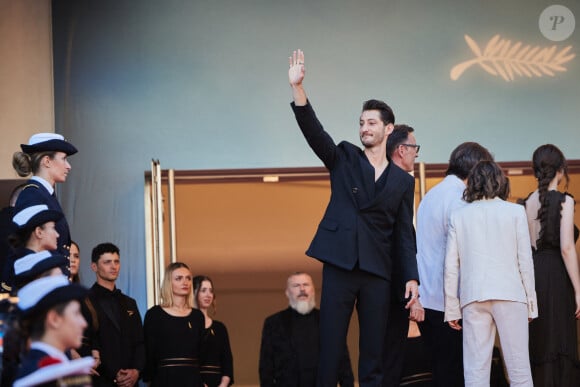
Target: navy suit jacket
373 229
35 193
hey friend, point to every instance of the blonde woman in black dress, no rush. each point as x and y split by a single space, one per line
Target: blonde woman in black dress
173 333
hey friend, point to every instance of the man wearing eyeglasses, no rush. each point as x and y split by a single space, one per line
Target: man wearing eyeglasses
402 150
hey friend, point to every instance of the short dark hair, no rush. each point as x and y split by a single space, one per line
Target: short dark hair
399 136
387 115
464 157
486 181
103 248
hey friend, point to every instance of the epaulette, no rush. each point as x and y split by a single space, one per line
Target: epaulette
30 185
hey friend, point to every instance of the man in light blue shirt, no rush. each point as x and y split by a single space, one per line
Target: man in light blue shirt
444 344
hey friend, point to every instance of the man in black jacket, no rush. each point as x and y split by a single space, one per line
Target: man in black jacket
289 350
371 207
402 150
120 330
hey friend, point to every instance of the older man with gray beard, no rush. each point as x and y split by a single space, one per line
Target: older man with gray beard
289 350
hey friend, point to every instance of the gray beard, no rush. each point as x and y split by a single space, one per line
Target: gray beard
303 307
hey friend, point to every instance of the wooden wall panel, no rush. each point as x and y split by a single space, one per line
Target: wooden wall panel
250 235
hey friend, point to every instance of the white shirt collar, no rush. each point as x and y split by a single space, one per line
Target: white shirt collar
49 350
45 183
456 181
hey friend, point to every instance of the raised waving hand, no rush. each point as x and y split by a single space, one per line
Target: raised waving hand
296 76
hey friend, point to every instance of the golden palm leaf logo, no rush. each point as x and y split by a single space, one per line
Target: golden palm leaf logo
502 58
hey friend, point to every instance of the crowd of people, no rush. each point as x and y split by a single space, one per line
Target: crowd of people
61 333
480 263
476 265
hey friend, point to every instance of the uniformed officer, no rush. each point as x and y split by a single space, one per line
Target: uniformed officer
50 307
33 231
45 157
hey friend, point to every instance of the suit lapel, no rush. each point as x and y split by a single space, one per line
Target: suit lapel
391 179
54 204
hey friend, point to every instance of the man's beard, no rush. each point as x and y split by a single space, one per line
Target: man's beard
303 306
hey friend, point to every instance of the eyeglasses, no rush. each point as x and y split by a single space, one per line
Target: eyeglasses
417 147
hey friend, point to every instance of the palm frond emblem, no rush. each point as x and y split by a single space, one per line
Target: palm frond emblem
501 57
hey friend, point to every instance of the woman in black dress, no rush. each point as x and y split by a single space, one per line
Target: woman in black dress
217 368
173 333
553 338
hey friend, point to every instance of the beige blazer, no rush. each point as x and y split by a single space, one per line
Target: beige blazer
488 257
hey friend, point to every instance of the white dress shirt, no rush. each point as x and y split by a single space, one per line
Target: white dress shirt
432 224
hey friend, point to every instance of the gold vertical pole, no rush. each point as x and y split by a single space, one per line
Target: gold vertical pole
160 261
422 180
171 205
154 233
150 237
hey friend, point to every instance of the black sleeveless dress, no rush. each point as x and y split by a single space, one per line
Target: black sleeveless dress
553 337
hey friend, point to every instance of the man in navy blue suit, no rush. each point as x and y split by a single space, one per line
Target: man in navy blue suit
371 207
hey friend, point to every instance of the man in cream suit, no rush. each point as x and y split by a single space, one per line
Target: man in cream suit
489 277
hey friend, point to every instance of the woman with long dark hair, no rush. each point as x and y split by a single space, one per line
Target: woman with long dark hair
550 213
217 369
75 261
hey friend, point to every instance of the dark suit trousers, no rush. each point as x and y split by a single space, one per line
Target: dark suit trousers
446 349
395 342
341 290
